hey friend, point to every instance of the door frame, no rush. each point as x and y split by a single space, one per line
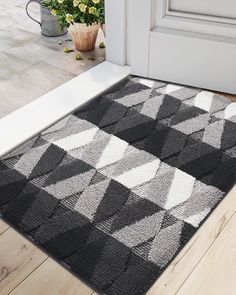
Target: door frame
116 31
123 30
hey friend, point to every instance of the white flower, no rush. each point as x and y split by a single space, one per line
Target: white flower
54 12
69 18
92 10
82 7
75 3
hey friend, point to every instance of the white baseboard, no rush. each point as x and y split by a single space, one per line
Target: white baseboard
40 114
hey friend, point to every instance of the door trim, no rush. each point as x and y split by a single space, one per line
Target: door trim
142 21
116 31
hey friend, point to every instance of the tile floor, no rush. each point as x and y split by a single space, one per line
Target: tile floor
32 64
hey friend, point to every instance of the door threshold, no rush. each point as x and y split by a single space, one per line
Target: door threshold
31 119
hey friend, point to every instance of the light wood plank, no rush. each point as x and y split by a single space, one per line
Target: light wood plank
3 226
19 258
181 267
215 274
51 278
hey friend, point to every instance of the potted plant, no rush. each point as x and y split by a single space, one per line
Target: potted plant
82 17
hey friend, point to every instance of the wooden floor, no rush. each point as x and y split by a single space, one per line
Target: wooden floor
206 266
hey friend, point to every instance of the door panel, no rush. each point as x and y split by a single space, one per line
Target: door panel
190 60
198 51
205 7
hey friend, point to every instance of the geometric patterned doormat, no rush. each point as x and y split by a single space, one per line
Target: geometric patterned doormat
116 190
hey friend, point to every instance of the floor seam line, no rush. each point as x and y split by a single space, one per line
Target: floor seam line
222 229
28 275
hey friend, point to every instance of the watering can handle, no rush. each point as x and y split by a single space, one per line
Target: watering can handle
26 9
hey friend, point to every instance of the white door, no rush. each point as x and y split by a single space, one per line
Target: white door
190 42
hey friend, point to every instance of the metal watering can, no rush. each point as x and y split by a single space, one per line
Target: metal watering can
49 24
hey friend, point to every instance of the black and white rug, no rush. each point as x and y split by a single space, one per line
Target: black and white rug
116 190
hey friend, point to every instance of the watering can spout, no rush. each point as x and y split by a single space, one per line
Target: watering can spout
49 23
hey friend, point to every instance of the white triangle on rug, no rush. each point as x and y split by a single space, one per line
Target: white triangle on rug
147 82
180 190
139 175
204 100
76 140
113 152
195 220
230 111
172 88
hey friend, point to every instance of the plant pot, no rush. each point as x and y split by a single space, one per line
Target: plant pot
103 26
49 23
84 36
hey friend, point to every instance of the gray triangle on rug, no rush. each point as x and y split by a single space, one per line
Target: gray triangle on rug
117 189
